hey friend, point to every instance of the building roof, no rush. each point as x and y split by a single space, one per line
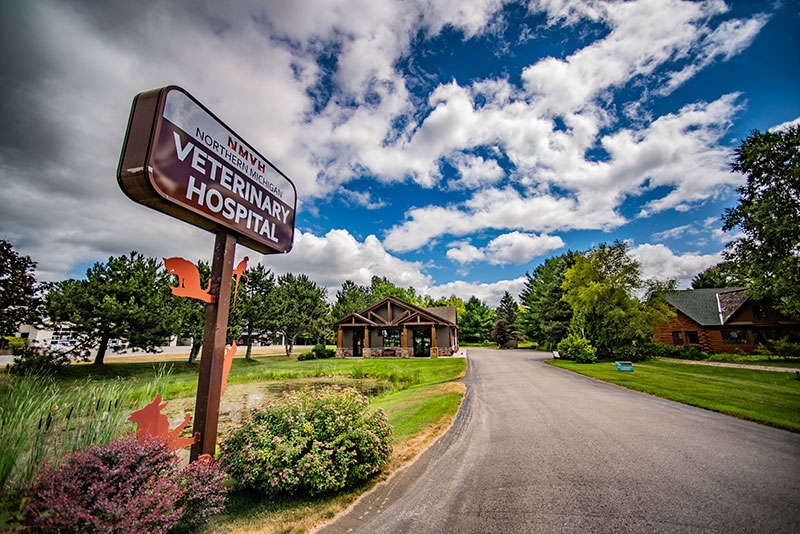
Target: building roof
708 306
439 315
448 313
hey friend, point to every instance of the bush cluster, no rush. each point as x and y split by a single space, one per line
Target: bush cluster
123 487
578 349
319 352
311 441
787 349
686 352
32 361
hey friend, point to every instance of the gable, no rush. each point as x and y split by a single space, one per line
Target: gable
392 311
708 306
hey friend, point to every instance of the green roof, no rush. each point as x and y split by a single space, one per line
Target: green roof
709 306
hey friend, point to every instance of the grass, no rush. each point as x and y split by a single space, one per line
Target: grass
767 397
420 404
754 359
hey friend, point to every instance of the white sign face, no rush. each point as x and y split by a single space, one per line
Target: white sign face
213 136
180 159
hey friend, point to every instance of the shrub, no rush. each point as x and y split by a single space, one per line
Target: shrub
577 349
787 349
310 441
306 356
122 487
762 350
31 360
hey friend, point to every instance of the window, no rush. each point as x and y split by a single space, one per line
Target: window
759 313
391 338
692 337
677 338
733 336
767 336
63 338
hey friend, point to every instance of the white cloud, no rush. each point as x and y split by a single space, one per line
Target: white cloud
489 293
361 198
785 125
675 232
474 172
466 253
660 262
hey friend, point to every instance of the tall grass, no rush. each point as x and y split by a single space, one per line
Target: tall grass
41 422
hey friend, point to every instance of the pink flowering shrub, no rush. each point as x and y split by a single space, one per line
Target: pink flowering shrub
123 487
311 441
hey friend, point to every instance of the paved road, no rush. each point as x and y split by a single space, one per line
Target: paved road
538 449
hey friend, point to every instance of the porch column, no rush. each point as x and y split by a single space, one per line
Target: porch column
339 341
434 348
405 337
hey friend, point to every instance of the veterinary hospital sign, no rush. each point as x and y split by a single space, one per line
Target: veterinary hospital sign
180 159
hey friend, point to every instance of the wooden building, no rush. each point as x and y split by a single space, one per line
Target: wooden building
723 320
395 328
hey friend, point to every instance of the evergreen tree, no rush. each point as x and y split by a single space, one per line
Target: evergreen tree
127 298
350 298
506 327
544 315
299 308
475 324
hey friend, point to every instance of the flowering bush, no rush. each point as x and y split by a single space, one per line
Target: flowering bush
310 441
123 487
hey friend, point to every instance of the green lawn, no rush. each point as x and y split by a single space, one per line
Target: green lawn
767 397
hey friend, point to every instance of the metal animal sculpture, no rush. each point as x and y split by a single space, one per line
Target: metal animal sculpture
188 280
238 272
226 365
153 424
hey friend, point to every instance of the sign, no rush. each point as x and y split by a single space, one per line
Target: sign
625 367
180 159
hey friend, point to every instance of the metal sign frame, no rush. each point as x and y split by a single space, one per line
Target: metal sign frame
207 176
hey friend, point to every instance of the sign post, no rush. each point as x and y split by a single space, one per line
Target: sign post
180 159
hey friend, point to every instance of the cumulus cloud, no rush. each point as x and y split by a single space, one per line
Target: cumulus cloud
514 247
785 125
489 293
319 89
660 262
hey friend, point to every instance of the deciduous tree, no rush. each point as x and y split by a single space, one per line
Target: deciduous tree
611 306
723 274
768 214
20 295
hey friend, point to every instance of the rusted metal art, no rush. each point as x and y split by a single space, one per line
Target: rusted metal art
188 280
152 424
209 385
238 272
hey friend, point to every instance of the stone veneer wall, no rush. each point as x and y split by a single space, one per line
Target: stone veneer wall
344 353
406 353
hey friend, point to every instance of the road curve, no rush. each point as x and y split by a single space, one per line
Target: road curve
535 448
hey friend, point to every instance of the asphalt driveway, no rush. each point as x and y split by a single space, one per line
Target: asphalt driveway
535 448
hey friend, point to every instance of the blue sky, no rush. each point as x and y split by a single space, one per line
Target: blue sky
452 146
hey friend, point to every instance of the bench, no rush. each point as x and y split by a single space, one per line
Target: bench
625 367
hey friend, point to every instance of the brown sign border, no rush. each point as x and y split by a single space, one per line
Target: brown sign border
135 171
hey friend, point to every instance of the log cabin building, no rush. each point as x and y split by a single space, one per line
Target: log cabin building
394 328
723 320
